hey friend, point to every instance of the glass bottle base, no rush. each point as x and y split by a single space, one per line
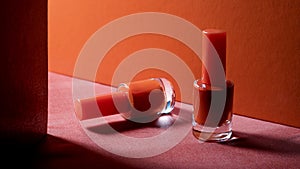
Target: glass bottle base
210 134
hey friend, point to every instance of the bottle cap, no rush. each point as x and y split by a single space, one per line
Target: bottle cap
213 51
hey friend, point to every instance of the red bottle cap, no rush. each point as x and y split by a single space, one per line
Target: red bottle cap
107 104
213 44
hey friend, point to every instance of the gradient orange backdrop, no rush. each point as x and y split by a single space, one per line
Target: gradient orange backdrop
262 55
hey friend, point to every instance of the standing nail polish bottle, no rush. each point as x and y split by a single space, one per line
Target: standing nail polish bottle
213 94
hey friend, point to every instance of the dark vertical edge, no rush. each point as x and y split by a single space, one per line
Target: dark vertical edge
24 71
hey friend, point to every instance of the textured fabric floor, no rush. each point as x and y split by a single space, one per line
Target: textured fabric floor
259 144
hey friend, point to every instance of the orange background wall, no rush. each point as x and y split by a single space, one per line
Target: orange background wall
262 55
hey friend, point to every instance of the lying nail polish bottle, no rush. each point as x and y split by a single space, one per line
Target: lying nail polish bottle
213 94
140 101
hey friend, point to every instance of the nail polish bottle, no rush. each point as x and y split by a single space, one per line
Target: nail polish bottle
213 94
140 101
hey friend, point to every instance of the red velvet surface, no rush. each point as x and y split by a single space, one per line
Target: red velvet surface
259 144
